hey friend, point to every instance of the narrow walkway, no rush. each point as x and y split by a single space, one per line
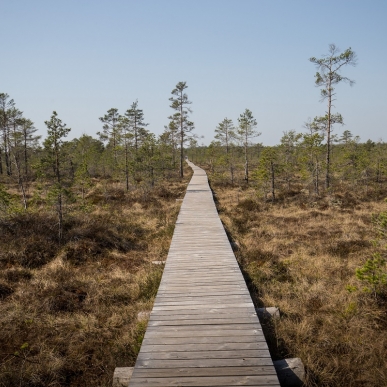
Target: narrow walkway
203 329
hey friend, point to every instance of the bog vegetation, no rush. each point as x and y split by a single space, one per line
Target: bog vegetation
82 220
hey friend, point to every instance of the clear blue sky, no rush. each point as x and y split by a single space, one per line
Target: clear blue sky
82 57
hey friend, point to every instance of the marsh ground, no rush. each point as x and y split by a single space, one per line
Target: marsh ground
300 254
68 311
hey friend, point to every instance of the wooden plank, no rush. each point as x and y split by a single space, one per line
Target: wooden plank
196 293
163 300
193 296
205 275
209 332
207 288
200 277
206 301
200 316
205 311
199 291
203 307
208 381
197 372
208 327
234 354
203 347
202 283
200 339
206 321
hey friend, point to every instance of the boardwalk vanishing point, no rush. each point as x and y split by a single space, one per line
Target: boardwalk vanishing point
203 329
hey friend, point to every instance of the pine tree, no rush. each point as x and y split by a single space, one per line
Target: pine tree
126 137
225 134
327 77
134 132
110 132
311 146
268 167
136 124
53 145
180 103
30 140
246 131
86 155
346 137
15 147
6 105
170 138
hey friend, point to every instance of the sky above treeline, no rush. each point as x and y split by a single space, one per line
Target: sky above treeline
83 57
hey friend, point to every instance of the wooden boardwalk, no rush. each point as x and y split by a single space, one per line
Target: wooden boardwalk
203 329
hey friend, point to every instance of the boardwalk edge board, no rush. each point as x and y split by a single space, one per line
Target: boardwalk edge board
203 329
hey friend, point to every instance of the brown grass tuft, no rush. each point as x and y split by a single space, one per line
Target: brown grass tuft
301 255
68 311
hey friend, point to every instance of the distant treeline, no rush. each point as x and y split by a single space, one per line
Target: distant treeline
297 163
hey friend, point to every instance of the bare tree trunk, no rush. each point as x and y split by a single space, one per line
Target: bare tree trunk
126 167
328 155
272 181
246 166
316 184
135 135
60 215
181 138
7 157
25 155
181 155
59 198
20 180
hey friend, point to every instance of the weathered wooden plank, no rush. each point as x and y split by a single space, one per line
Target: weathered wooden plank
195 296
196 274
235 354
203 283
199 339
207 288
203 347
209 332
197 372
206 301
204 306
208 381
206 321
205 275
205 311
154 317
208 327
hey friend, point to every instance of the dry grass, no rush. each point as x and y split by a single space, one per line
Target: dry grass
68 313
300 256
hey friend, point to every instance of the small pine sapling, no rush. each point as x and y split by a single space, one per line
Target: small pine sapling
374 272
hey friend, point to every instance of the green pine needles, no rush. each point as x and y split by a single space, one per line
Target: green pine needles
374 272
